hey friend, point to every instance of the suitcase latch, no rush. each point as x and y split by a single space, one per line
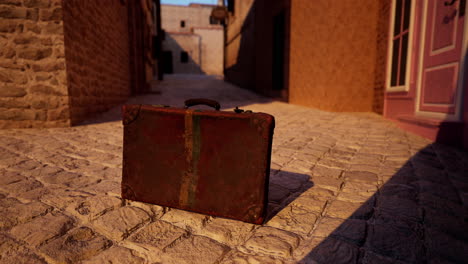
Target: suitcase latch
238 110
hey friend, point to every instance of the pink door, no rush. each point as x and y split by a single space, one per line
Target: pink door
443 39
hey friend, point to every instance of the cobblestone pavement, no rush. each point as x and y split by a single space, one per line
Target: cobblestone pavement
344 188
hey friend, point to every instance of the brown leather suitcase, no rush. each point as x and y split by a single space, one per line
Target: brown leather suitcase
207 161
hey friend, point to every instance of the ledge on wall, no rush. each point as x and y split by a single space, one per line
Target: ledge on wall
446 132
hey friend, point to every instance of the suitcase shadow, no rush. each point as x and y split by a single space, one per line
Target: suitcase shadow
284 188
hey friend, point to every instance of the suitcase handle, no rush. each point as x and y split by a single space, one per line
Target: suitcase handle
202 101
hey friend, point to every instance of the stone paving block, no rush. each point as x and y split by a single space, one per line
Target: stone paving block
158 234
94 206
194 249
351 230
402 191
289 180
326 226
332 163
64 198
323 171
329 183
13 252
25 165
277 193
116 255
305 247
448 224
396 239
14 212
306 158
294 219
78 244
344 210
69 179
298 166
21 186
190 221
227 231
445 247
42 171
370 257
443 191
309 203
9 177
43 228
332 250
108 187
155 211
67 162
397 208
237 257
319 193
354 197
120 223
6 154
280 160
272 241
375 168
361 176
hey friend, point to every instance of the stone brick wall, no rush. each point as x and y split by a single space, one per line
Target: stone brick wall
97 55
33 85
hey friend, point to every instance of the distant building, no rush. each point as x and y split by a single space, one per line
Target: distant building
400 58
193 41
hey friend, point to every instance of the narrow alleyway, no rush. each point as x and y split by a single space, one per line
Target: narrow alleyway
344 188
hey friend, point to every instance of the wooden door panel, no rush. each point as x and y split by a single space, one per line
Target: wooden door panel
441 57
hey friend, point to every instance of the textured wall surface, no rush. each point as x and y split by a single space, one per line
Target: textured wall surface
333 54
212 41
97 55
188 42
194 16
33 91
383 21
240 45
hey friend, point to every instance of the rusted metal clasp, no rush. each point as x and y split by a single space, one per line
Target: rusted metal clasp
238 110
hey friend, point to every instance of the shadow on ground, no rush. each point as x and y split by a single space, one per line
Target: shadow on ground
280 197
417 216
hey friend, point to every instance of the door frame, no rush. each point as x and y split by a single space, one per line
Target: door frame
457 116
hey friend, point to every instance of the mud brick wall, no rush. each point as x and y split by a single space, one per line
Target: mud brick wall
97 55
381 59
33 87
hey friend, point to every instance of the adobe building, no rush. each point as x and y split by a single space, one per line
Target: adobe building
64 61
194 41
400 58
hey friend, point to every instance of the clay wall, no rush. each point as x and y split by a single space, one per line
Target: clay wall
333 54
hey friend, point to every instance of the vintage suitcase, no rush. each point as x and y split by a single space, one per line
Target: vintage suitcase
207 161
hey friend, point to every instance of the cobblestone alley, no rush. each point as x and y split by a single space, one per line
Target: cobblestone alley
344 188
